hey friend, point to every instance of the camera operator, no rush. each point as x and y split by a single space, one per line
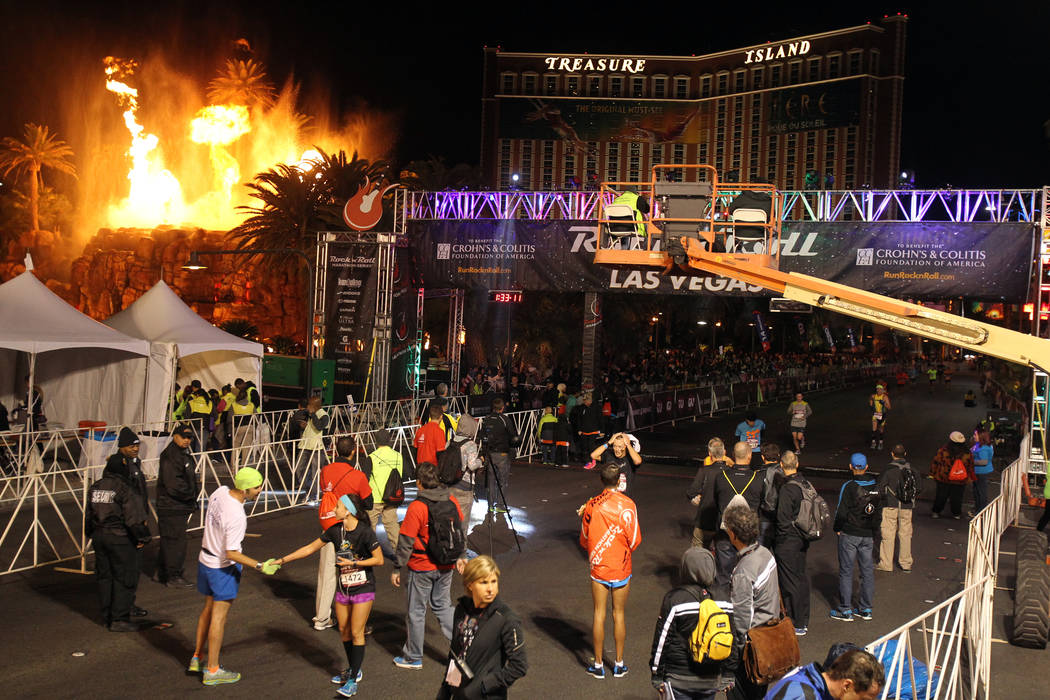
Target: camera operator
499 437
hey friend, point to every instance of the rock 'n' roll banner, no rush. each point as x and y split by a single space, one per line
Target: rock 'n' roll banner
350 309
918 260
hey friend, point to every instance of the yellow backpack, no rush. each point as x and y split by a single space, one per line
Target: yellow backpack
712 638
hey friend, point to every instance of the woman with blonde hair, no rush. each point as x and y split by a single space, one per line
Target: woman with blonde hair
488 646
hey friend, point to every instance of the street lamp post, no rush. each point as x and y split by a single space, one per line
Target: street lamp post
195 264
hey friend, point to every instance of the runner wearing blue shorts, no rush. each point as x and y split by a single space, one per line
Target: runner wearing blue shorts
219 569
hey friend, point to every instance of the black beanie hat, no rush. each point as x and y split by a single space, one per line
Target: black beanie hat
127 438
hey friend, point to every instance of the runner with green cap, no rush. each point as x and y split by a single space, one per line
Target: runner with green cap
219 568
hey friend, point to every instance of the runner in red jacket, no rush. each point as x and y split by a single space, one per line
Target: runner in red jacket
610 534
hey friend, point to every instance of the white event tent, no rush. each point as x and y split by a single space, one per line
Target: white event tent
184 347
86 370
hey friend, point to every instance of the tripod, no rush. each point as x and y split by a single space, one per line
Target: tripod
486 455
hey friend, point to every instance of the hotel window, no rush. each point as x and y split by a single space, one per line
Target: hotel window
504 164
529 83
794 72
660 87
723 83
658 155
572 85
681 88
855 59
813 69
757 77
637 86
525 170
550 85
874 62
634 162
591 176
677 158
616 86
568 168
705 86
612 162
834 65
507 81
811 150
775 74
702 156
594 85
548 165
740 80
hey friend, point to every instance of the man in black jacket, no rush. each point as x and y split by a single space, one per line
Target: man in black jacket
701 493
177 491
500 438
791 547
675 673
737 480
857 523
588 424
896 510
115 520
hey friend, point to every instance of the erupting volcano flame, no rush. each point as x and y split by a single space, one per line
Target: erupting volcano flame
176 181
155 193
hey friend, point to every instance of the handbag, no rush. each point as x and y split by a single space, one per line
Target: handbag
771 650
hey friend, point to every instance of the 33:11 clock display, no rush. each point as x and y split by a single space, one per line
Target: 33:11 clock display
505 296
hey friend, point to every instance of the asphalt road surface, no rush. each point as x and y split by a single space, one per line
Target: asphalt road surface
54 645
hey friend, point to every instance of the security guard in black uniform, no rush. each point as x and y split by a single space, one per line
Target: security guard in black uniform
116 522
177 492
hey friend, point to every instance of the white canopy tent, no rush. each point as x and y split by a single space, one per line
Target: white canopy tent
184 347
86 370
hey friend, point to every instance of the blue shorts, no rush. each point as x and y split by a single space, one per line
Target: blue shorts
220 584
612 585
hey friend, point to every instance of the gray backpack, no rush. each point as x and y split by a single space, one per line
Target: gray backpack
814 516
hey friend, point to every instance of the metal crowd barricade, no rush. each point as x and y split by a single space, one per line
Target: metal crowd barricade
953 640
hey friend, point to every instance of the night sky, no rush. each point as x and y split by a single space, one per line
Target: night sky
977 93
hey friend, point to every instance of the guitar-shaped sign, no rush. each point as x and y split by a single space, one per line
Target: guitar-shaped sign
365 208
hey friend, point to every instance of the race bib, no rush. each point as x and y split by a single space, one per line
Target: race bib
799 414
877 416
622 486
753 442
453 677
352 578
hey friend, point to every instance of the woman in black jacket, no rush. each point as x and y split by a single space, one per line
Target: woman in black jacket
676 676
488 647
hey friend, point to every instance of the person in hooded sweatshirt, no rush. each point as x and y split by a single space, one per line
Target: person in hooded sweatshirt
427 583
941 472
116 522
488 645
470 461
676 675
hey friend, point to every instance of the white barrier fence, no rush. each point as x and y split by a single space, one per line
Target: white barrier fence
945 653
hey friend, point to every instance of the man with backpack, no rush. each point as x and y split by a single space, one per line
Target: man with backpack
459 465
898 485
735 485
430 544
386 477
792 541
693 633
856 524
340 478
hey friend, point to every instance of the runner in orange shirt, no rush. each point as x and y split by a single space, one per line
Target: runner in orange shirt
610 534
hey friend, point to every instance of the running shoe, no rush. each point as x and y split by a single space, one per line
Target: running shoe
864 614
344 675
195 665
846 616
220 677
402 662
873 444
880 444
348 689
619 670
320 625
597 670
589 466
801 631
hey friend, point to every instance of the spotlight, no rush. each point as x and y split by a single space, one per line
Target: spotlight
194 263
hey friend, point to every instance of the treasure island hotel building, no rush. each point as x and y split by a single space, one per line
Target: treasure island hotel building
825 104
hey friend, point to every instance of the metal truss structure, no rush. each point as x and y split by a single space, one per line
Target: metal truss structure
963 206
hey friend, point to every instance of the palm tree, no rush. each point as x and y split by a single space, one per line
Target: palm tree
39 149
340 178
243 83
288 215
433 175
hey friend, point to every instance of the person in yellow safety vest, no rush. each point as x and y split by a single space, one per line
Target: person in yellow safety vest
639 204
200 415
243 409
253 393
